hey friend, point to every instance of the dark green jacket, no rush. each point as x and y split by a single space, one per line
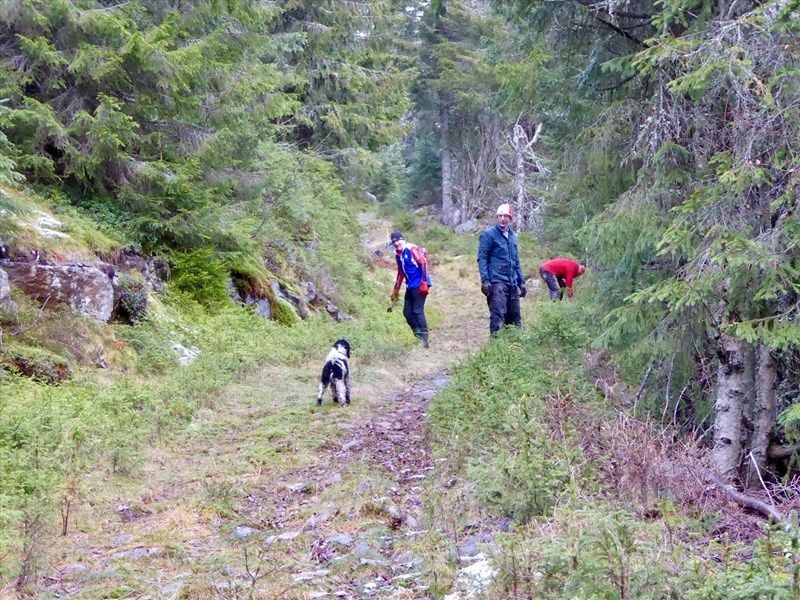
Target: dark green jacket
498 257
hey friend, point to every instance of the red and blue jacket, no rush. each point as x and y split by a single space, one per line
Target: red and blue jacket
411 266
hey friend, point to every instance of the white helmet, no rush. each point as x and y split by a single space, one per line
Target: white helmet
505 209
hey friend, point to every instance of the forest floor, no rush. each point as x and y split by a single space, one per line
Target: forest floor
266 495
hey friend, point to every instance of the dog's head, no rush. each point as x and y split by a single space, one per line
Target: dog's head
342 346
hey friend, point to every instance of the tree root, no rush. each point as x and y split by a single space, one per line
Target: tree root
750 502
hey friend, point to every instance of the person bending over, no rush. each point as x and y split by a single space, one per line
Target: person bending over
560 273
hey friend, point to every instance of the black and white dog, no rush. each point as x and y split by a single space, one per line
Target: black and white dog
336 372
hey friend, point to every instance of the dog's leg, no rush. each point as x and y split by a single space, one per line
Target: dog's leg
322 387
347 387
340 391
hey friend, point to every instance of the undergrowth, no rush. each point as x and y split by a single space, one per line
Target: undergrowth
585 502
176 358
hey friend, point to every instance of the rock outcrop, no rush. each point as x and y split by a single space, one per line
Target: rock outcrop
84 289
5 291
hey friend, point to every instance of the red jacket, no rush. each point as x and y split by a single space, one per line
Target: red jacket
563 268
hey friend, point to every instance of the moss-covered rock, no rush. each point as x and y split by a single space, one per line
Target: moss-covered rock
35 363
283 312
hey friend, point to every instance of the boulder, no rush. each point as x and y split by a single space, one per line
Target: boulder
260 305
299 304
154 270
467 227
84 289
5 290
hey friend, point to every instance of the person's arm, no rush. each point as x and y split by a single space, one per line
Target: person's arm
484 248
398 280
419 257
569 278
518 268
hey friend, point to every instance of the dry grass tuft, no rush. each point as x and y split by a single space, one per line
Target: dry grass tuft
646 464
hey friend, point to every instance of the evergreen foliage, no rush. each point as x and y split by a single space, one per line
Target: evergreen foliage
677 137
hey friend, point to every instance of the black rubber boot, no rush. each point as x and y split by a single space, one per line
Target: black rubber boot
423 336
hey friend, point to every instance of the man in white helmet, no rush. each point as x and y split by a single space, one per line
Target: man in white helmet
502 281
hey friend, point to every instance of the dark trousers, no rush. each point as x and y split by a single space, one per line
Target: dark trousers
503 306
553 285
414 311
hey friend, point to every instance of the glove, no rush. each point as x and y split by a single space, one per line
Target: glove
423 288
486 287
522 290
394 294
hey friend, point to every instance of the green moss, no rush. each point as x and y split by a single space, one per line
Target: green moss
77 238
283 312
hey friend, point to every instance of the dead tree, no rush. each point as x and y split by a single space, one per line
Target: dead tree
527 205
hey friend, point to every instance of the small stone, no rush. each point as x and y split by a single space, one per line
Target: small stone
335 478
373 562
309 575
171 590
242 532
119 540
363 550
300 487
138 553
317 519
351 444
342 540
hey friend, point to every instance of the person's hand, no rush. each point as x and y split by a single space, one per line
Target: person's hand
570 293
423 288
523 291
486 287
394 295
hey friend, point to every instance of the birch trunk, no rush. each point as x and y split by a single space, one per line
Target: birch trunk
519 179
728 407
763 414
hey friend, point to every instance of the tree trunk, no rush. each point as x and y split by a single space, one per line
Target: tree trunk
763 415
519 169
497 142
731 391
749 400
449 212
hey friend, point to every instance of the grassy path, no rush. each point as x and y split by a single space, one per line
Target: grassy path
268 496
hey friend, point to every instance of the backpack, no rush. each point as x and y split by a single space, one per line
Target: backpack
427 258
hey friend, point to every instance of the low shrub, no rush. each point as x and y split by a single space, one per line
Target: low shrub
133 296
200 276
36 363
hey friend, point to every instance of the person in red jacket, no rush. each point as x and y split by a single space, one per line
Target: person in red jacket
560 273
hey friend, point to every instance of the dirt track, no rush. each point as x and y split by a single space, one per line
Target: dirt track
276 498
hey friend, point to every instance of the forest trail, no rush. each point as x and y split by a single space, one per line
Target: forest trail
269 496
